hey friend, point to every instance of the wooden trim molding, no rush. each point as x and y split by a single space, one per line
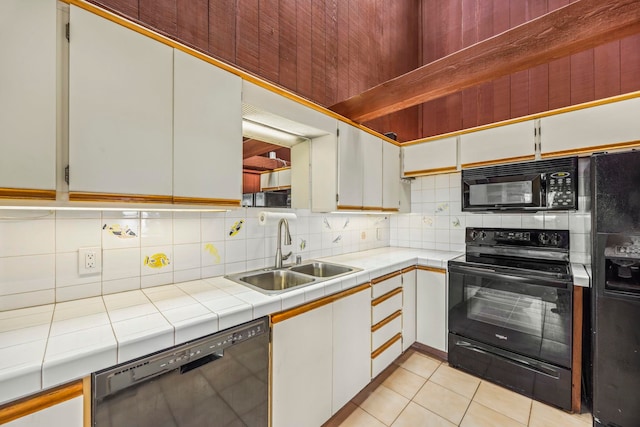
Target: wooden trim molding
385 277
78 196
206 201
27 193
32 404
349 208
386 296
448 169
593 149
409 269
276 170
386 320
576 362
390 209
499 161
433 269
561 110
287 314
386 345
283 187
86 407
372 208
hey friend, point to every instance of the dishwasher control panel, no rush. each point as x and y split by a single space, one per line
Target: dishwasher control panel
183 357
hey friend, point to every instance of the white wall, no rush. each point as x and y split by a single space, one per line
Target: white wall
39 249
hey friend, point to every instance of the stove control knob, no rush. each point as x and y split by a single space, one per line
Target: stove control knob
475 234
555 239
543 238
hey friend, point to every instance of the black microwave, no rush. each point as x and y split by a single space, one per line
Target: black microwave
541 185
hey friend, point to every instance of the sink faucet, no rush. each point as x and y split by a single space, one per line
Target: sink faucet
287 241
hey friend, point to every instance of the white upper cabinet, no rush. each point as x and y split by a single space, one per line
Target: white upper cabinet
207 134
439 156
120 109
277 179
28 94
511 142
591 129
390 177
371 171
350 166
354 171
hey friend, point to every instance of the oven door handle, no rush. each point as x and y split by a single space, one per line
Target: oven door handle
493 274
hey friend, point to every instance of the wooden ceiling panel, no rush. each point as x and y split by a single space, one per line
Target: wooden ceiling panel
574 28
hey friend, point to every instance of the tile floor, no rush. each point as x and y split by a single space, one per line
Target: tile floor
418 390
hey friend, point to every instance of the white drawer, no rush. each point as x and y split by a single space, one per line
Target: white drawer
385 306
381 288
386 332
385 358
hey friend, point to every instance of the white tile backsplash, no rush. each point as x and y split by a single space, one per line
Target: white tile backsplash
436 200
27 274
39 252
23 236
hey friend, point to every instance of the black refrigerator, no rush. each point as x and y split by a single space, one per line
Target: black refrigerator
615 310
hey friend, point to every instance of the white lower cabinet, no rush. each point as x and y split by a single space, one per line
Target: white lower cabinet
386 321
408 308
320 360
431 308
66 414
351 347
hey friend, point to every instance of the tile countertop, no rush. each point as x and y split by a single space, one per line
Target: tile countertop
45 346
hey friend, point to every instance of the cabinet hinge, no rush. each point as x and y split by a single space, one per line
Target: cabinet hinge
66 174
67 31
336 197
338 132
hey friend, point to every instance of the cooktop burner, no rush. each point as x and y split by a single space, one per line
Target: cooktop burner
520 251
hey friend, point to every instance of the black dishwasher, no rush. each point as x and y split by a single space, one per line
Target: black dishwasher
218 380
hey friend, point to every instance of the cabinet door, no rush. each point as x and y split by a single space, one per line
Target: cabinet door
500 144
350 165
268 180
408 309
120 109
591 128
371 171
351 346
439 156
284 178
207 144
390 176
66 414
28 94
302 369
431 309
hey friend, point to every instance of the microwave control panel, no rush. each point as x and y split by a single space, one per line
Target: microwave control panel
561 190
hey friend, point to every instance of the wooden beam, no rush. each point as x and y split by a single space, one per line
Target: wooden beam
577 27
261 163
253 147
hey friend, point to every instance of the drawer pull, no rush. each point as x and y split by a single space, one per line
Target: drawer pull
386 345
386 296
389 319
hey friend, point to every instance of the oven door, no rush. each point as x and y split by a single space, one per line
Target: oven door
526 315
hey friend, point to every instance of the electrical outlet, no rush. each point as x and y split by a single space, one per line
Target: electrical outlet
89 261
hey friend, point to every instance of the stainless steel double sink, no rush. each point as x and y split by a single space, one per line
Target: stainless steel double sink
275 281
